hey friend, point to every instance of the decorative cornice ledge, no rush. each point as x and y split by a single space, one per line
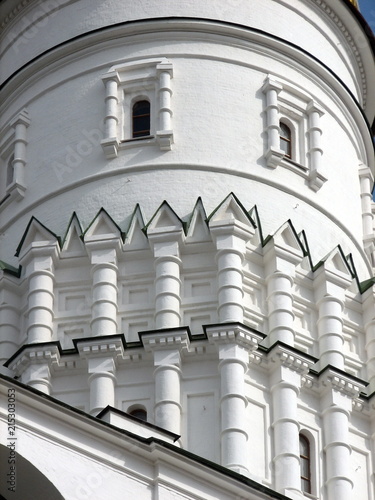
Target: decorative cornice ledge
285 355
336 379
335 18
233 333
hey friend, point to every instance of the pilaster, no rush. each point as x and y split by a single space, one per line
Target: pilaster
274 154
282 253
103 243
366 184
10 305
331 280
37 256
101 355
231 229
165 234
315 151
338 390
110 143
167 346
234 342
287 367
33 365
164 71
368 305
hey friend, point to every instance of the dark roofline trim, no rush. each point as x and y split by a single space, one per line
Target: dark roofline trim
217 22
343 374
149 441
143 423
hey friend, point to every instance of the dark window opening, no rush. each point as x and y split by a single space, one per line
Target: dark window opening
305 462
139 413
141 119
286 140
10 171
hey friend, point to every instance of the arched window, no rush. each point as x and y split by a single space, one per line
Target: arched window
10 171
305 462
138 412
285 140
141 119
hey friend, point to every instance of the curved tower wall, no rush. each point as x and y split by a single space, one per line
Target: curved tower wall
218 108
197 274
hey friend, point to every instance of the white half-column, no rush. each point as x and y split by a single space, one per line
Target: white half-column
166 248
167 347
274 154
369 324
337 394
10 305
230 237
315 151
282 254
101 356
38 262
164 133
366 183
287 368
234 342
110 143
104 307
330 284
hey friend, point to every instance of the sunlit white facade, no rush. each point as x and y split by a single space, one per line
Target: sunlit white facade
207 263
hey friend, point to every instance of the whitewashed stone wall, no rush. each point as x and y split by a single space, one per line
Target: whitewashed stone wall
197 273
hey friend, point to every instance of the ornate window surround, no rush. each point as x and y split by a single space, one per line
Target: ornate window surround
127 83
302 115
13 142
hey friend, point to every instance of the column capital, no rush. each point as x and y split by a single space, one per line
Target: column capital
333 380
21 118
235 334
31 355
107 347
283 355
271 84
166 339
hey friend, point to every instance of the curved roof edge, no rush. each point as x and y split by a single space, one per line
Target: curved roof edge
368 32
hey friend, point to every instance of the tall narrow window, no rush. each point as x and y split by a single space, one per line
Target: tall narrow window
305 462
141 119
10 171
285 140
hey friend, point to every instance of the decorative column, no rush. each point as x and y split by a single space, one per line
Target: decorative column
20 125
368 301
103 251
164 134
271 89
9 313
38 264
337 393
280 261
110 142
101 356
234 342
165 242
167 346
231 230
315 152
330 284
104 294
287 368
366 184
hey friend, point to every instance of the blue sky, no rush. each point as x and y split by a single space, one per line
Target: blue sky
367 8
